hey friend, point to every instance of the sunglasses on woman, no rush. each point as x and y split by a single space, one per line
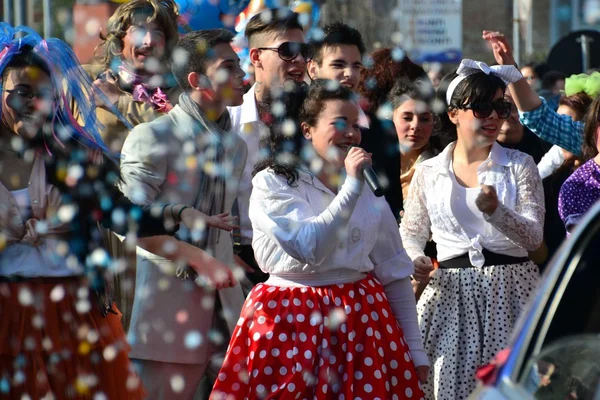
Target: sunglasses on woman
290 50
484 109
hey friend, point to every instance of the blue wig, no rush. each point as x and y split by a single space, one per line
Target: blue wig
72 84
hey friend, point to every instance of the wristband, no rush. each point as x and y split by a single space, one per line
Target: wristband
180 212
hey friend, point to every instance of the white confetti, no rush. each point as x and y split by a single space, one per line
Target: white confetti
25 297
57 294
177 383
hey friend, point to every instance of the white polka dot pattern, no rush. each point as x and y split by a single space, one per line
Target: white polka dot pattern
466 316
342 342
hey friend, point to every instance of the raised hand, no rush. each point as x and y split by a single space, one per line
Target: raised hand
502 50
487 201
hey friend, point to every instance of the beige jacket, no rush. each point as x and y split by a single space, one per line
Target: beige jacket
114 131
160 164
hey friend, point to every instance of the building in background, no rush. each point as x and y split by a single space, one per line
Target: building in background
382 22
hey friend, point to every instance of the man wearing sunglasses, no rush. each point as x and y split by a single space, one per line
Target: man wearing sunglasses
278 54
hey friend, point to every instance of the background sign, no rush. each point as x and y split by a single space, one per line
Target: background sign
431 29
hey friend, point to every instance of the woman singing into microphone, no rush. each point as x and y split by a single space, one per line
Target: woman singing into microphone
336 319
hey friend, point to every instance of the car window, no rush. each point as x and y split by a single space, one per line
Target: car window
569 368
572 313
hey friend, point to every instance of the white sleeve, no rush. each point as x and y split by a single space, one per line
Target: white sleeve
388 255
551 161
285 217
402 301
416 225
523 226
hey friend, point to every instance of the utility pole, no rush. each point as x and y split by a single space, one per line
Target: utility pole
516 32
46 7
7 11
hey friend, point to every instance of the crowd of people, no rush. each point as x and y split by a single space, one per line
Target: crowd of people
166 230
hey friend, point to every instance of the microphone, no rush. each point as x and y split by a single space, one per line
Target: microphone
372 180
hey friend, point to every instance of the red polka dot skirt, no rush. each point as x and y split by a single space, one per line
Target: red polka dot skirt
331 342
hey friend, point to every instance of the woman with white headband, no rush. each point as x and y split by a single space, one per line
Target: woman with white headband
484 206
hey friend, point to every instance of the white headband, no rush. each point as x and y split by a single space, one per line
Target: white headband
508 73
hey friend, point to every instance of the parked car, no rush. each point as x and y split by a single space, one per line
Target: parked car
555 350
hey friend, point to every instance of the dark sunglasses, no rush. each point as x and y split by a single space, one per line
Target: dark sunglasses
289 50
484 110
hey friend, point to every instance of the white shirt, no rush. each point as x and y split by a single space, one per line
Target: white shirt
305 230
515 227
463 205
551 161
246 122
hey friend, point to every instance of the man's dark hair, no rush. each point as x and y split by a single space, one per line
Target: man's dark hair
193 50
270 21
417 89
335 34
550 79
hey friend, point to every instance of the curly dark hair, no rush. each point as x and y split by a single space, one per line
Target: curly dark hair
382 72
164 12
303 104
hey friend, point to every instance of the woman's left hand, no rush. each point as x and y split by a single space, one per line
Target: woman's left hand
487 201
422 373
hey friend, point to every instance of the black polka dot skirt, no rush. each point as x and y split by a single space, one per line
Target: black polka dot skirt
331 342
466 316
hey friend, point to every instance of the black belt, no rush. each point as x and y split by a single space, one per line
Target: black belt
490 259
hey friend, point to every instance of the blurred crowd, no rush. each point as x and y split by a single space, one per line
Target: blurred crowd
175 227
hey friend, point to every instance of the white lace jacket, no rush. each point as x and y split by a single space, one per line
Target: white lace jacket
515 227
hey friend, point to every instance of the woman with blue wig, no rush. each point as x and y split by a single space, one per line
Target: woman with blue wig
61 335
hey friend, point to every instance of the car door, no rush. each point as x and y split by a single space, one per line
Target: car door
563 319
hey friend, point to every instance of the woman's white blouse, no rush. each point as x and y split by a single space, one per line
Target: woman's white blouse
515 227
305 228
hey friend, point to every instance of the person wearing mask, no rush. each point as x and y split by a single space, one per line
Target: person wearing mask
553 84
279 54
189 156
